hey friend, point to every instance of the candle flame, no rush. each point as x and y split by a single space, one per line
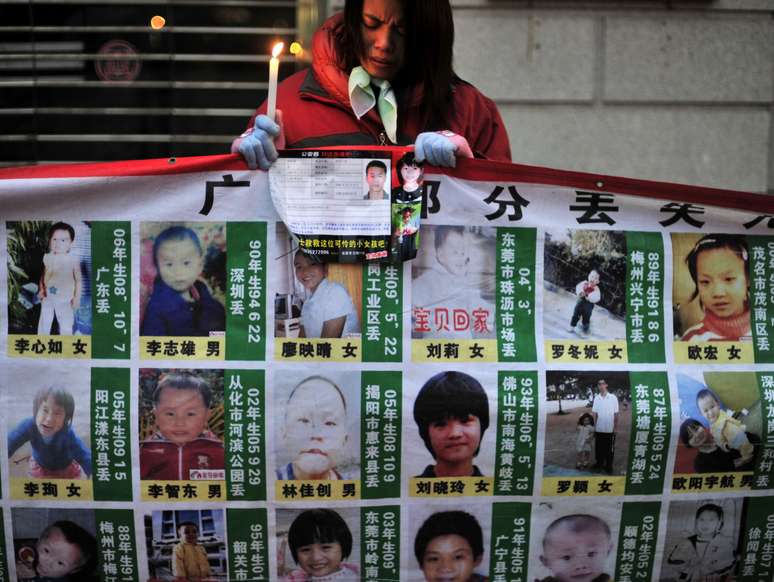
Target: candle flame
157 22
296 48
277 49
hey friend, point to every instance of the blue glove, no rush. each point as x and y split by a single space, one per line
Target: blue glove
256 145
437 149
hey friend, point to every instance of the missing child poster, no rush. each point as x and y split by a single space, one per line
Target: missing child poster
357 367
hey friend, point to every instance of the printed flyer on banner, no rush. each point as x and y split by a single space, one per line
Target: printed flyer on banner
357 367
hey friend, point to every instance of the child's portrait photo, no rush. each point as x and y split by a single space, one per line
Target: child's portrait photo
49 277
49 434
584 284
451 434
182 278
450 544
701 540
720 422
407 207
453 284
186 545
588 423
318 544
710 288
568 545
314 299
54 545
317 426
181 425
377 179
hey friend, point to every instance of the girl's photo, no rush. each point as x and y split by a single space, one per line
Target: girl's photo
317 426
453 284
318 544
407 207
314 299
584 284
186 545
710 288
49 277
182 278
54 545
701 540
720 422
50 435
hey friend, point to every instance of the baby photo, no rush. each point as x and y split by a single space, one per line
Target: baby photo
318 544
317 426
720 422
584 285
49 277
182 279
314 299
449 543
710 288
588 423
186 545
569 545
181 425
49 434
453 284
54 545
701 540
450 435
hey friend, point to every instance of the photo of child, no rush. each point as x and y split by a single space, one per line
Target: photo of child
451 544
573 546
181 425
183 281
452 288
320 542
591 409
49 278
721 422
451 414
584 275
711 288
186 545
407 206
701 539
318 436
54 545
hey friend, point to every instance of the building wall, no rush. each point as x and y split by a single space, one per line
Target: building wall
674 91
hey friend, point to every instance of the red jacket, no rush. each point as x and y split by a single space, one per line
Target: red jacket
317 112
161 459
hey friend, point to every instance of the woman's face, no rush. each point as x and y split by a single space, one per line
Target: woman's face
410 173
384 46
308 273
722 282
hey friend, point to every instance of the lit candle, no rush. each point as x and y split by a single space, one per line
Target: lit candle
271 106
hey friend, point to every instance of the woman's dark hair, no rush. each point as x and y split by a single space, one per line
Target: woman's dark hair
319 526
584 416
450 395
734 243
407 159
429 42
685 428
446 523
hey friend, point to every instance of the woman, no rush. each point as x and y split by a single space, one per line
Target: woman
388 56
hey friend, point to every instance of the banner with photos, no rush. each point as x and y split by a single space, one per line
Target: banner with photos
573 379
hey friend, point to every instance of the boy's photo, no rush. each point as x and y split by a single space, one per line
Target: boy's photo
569 545
449 543
710 288
701 540
49 277
181 425
318 544
317 426
54 545
186 545
453 284
49 434
584 283
720 422
451 434
377 180
588 423
182 278
314 299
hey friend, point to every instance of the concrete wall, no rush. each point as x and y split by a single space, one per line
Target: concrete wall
675 91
